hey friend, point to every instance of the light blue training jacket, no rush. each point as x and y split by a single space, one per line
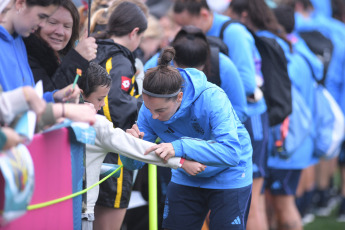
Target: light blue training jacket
301 78
323 7
230 82
242 52
14 66
335 31
205 129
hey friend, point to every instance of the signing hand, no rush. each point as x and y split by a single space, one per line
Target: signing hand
134 131
163 150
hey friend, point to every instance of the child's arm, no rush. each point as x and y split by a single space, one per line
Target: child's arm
130 148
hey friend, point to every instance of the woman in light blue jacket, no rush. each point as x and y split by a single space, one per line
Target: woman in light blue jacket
195 120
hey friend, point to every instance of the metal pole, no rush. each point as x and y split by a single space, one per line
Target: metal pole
153 200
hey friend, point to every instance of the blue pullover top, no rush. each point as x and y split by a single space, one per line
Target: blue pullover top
244 55
14 67
206 129
301 78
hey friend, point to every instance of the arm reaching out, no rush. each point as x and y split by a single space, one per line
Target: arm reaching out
165 152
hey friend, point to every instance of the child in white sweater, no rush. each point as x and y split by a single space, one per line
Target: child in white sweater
95 86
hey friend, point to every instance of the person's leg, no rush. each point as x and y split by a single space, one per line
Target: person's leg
113 198
283 185
229 208
304 194
257 127
341 159
108 218
323 176
271 215
257 218
287 214
263 210
341 212
185 207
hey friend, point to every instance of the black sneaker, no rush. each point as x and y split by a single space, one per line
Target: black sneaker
341 213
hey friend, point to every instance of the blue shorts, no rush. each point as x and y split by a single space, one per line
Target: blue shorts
341 158
283 182
258 128
186 207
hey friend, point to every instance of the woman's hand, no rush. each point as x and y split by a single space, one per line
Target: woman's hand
13 138
35 103
68 94
192 167
87 47
135 132
163 150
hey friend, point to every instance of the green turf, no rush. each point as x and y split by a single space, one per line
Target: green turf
326 223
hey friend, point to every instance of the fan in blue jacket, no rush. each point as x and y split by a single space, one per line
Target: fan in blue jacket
15 70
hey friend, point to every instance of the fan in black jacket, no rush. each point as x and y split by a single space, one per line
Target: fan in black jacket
115 46
51 55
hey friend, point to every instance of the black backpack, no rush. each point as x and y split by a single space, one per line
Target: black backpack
277 85
321 46
216 45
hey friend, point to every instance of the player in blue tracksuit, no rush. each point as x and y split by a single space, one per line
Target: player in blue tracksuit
323 7
243 53
308 19
195 120
301 77
335 31
283 174
230 80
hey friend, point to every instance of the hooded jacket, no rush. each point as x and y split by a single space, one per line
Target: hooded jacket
205 129
121 103
14 67
301 76
245 56
46 65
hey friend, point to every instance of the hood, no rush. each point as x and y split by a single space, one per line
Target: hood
5 35
195 82
108 48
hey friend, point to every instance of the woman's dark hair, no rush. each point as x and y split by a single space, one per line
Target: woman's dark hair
307 4
286 17
193 7
123 20
338 10
69 5
192 48
260 15
43 3
163 79
96 76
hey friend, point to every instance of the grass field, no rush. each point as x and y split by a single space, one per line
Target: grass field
326 223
